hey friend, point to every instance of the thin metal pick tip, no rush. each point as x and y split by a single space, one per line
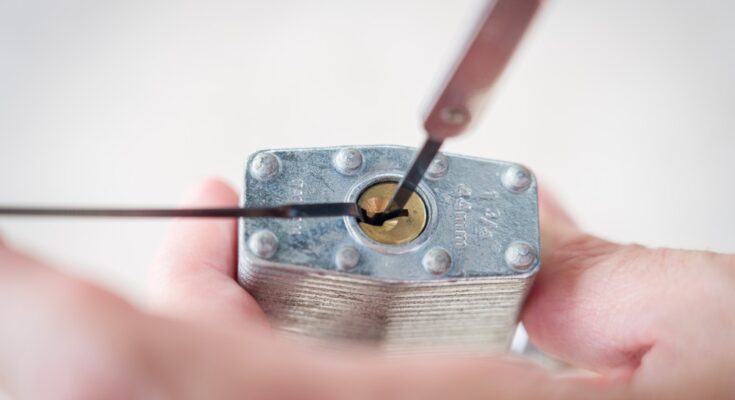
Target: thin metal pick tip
381 218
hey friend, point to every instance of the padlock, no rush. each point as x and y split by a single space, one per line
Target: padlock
452 275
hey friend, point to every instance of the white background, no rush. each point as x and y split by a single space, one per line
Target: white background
623 108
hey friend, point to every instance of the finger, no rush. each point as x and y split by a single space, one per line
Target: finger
194 272
47 334
443 377
587 304
82 342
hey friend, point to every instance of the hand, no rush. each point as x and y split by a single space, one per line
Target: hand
650 323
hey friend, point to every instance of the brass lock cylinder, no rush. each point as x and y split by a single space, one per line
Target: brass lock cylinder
398 230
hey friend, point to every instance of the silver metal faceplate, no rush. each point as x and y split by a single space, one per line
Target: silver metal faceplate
471 214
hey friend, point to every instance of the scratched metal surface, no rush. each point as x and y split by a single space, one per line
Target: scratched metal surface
389 299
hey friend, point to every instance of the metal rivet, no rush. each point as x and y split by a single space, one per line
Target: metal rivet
347 258
454 115
348 161
438 167
265 166
437 261
520 256
263 243
517 178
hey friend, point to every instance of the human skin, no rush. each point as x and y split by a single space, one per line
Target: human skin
646 323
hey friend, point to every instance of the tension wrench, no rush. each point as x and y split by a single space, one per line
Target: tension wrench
464 94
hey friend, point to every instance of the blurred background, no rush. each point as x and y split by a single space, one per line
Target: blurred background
623 108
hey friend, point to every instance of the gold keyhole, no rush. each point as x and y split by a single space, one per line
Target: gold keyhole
398 230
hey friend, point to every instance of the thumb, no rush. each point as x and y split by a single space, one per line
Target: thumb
585 305
193 275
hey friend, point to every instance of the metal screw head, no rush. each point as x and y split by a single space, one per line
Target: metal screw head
517 178
520 256
347 258
263 243
265 166
348 161
437 261
438 167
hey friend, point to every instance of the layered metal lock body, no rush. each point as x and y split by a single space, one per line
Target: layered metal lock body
458 284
